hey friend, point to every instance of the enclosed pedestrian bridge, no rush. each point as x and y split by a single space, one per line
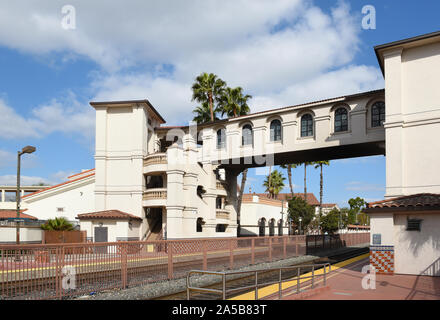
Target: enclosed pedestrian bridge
343 127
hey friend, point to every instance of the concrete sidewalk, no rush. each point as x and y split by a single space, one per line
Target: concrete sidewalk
346 284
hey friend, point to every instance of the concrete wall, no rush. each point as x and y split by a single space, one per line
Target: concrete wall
28 234
417 252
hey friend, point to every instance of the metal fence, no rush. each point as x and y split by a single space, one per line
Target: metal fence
319 243
62 270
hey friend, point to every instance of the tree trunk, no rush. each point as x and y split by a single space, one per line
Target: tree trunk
305 182
289 174
270 181
320 199
240 198
211 108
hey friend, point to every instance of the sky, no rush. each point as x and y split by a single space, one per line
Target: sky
281 52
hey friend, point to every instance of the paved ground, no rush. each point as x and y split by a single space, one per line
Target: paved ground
346 284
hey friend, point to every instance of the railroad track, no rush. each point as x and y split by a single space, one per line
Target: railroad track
266 277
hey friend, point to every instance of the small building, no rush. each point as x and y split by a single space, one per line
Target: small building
405 235
30 231
110 226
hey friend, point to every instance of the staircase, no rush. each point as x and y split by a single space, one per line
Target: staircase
156 232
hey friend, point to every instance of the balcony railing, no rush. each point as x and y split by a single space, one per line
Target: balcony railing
222 214
155 158
155 194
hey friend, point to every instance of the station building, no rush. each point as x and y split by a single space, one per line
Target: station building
181 182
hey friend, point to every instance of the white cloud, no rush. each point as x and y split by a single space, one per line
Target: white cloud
66 115
282 52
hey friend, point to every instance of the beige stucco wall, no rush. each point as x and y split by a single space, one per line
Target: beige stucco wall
27 234
75 198
412 119
416 251
382 224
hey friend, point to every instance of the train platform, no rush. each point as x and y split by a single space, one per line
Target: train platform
345 283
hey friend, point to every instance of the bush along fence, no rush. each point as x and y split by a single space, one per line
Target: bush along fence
61 270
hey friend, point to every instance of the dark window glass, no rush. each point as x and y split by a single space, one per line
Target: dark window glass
218 203
199 224
271 227
378 114
246 138
341 120
307 125
275 130
220 228
262 227
221 139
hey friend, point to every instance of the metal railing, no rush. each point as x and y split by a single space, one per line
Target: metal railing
255 286
37 271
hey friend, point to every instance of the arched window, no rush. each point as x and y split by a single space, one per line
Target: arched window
271 227
275 130
280 227
247 135
262 227
307 125
221 138
341 120
378 114
199 224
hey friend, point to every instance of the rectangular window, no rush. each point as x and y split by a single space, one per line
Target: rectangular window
413 224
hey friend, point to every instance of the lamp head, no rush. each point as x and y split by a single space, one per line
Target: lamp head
28 149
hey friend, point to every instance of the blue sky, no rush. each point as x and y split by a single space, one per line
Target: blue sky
281 52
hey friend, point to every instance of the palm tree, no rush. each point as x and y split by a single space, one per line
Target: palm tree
289 168
208 88
274 183
305 179
233 103
57 224
320 164
203 113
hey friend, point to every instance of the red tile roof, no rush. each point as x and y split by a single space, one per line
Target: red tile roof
420 201
12 214
329 205
108 214
354 226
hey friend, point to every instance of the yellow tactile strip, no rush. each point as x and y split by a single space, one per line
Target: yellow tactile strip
271 289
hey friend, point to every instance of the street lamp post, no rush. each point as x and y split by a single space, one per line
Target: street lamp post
27 149
300 219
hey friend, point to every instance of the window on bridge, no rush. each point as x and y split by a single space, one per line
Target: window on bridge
307 125
247 135
221 138
341 120
378 114
275 130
